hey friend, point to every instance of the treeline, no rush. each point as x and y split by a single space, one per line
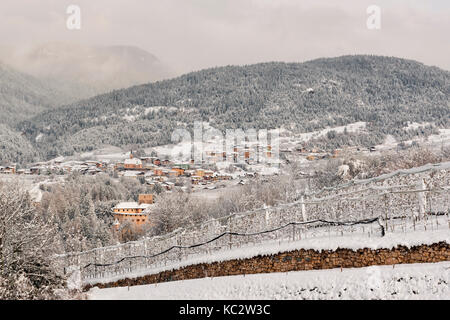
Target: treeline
330 173
334 140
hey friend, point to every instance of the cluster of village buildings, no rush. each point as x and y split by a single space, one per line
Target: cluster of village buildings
166 174
157 172
163 172
58 166
153 170
136 214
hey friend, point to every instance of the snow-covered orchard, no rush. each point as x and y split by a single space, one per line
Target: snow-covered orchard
404 203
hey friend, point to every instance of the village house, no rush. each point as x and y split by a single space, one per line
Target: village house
196 179
132 163
156 161
251 174
189 173
168 185
215 156
300 149
118 166
335 153
179 170
247 155
133 174
91 163
269 151
8 170
148 166
165 162
35 170
184 166
146 198
26 172
134 212
146 160
160 178
200 172
93 170
174 173
58 161
218 176
208 174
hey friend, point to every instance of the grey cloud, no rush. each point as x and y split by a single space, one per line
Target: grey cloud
195 34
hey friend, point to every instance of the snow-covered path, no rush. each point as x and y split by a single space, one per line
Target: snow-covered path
413 281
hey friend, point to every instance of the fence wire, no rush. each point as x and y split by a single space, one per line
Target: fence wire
405 195
331 223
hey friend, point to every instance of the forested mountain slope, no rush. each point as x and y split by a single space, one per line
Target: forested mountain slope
14 148
23 96
385 92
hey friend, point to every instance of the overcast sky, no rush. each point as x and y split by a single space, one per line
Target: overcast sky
194 34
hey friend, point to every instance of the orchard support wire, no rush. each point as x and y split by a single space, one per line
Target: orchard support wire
329 211
229 233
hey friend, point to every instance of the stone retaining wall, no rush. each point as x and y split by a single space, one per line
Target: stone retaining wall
296 261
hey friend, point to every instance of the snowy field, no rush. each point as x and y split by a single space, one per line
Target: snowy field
434 141
413 281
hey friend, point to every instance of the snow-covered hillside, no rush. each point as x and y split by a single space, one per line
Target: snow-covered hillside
414 281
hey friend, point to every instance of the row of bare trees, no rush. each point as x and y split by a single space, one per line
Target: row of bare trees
27 241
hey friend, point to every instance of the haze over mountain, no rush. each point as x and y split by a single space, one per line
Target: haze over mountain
385 92
23 96
82 71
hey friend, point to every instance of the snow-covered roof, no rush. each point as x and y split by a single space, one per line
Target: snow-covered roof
132 205
222 174
58 159
132 173
133 161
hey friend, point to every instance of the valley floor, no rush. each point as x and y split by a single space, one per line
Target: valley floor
409 281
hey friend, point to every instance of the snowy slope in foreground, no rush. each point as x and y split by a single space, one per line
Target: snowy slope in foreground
348 241
413 281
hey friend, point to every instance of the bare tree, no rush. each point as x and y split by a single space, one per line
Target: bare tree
27 243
